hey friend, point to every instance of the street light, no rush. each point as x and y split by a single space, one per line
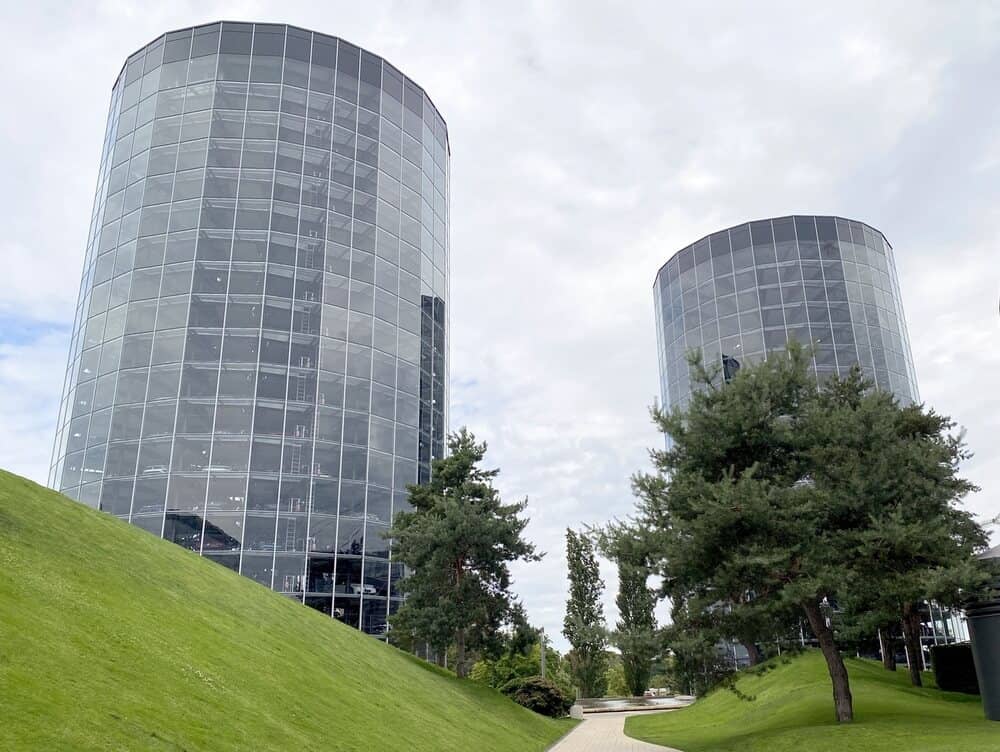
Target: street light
541 639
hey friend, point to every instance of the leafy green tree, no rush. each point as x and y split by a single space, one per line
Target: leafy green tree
614 677
458 540
660 681
583 624
635 635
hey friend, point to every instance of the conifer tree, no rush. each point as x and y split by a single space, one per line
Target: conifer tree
635 634
458 540
583 624
777 495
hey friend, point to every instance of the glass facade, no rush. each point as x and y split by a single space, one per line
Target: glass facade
743 292
259 362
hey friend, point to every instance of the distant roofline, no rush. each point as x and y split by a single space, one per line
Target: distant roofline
290 26
764 219
993 553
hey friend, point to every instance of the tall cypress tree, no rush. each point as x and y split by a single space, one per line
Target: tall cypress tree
635 635
583 624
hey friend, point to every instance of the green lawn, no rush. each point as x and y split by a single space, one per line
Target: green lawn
793 712
111 639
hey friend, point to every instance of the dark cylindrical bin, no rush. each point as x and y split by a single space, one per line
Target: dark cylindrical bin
984 630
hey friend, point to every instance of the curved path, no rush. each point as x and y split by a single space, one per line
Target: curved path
605 732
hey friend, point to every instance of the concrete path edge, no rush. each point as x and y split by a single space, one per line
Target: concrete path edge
604 732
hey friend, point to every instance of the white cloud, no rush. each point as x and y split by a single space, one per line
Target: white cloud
31 378
589 143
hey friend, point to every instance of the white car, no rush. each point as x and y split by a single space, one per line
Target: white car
367 589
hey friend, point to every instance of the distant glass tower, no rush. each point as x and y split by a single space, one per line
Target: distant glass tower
740 293
259 361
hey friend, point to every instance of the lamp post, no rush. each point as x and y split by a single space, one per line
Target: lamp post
541 639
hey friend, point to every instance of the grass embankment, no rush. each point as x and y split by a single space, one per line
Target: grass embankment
113 639
793 711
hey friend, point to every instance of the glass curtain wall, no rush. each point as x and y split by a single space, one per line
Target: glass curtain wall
259 360
745 291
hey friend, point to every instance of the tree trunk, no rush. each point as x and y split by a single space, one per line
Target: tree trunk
886 647
753 652
911 638
842 700
460 653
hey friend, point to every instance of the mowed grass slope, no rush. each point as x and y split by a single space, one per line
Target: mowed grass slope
793 711
112 639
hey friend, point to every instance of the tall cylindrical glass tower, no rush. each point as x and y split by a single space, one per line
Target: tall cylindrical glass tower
259 359
740 293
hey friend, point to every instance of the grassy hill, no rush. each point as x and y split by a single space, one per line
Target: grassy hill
113 639
793 710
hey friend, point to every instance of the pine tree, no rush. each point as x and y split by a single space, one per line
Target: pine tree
775 495
459 540
917 545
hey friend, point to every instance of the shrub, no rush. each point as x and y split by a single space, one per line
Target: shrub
514 665
539 695
954 668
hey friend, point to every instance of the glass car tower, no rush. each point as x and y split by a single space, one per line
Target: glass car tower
742 292
259 361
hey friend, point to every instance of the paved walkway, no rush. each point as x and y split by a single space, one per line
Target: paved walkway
605 732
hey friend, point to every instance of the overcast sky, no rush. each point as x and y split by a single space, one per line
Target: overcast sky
588 144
